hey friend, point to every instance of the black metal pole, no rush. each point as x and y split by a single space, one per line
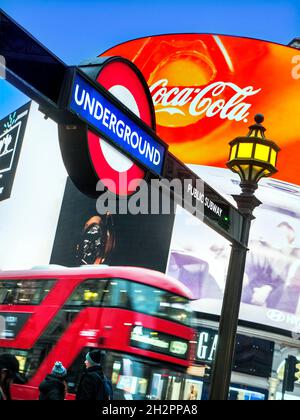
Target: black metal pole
222 366
284 379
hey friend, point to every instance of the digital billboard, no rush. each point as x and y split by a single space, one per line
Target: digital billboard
33 188
199 257
206 90
11 137
84 237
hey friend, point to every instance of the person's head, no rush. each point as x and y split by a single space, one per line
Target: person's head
9 367
93 358
59 371
94 220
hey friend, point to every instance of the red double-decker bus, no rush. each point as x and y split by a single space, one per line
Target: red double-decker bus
140 319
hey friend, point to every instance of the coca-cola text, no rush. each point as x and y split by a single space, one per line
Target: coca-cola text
173 99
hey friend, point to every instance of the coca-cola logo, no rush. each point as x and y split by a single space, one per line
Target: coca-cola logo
225 99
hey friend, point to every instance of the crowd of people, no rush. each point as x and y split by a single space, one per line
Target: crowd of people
93 386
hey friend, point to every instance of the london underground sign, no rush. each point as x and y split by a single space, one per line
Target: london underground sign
96 108
123 81
108 123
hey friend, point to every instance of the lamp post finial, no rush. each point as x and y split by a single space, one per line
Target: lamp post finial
259 118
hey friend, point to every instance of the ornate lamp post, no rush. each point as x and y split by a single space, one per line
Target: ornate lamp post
253 157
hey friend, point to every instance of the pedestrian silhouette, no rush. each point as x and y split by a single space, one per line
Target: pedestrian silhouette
94 385
9 371
54 386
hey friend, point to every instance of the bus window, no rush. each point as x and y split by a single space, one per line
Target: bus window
116 294
133 378
89 293
22 357
160 303
19 292
148 300
128 375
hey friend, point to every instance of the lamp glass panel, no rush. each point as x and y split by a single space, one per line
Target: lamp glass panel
245 150
260 134
273 157
233 152
262 152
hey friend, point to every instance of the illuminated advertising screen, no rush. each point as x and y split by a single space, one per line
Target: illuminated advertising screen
206 90
32 182
11 138
13 322
199 257
148 339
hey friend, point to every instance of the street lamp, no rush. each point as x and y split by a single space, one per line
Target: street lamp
252 157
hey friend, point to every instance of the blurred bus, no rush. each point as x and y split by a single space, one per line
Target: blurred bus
139 318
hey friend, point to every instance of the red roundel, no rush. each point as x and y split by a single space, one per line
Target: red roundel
115 170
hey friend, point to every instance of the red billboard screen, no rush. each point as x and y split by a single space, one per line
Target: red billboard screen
206 90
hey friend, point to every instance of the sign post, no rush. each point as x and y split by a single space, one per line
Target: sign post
108 117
